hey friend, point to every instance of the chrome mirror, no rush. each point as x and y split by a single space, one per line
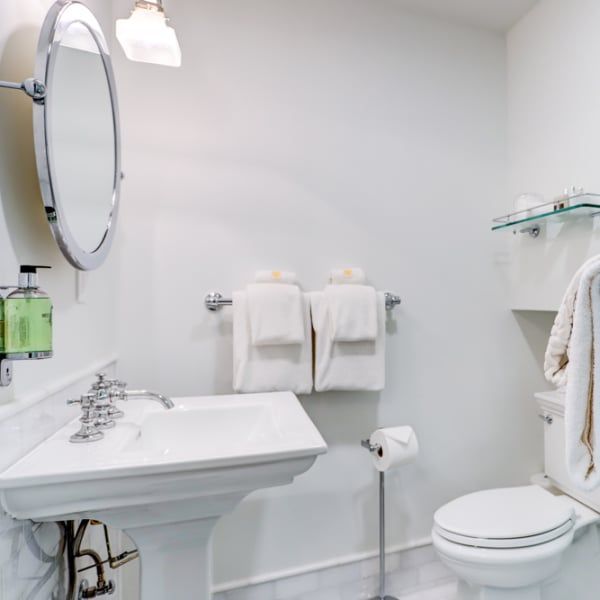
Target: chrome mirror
76 133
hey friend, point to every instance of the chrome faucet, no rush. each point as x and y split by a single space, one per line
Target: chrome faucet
118 392
88 432
99 410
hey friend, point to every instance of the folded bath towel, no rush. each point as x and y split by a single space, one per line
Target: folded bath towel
582 397
276 314
353 275
347 365
269 368
275 277
352 312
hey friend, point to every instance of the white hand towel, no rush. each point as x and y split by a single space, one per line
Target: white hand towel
582 399
556 359
276 314
275 277
347 365
353 275
352 312
269 368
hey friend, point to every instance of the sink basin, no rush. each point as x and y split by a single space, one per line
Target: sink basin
166 476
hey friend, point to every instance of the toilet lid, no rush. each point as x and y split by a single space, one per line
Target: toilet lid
508 517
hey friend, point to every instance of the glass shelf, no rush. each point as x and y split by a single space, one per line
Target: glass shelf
583 205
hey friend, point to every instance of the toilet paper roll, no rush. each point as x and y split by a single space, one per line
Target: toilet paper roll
397 446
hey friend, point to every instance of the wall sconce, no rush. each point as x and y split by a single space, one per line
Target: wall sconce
146 36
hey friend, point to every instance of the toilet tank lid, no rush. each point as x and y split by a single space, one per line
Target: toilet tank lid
504 513
551 401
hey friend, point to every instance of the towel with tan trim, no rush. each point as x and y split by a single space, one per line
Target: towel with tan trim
556 358
573 357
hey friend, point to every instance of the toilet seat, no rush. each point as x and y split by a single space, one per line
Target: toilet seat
522 542
519 517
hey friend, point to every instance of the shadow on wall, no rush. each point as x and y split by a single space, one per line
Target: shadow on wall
536 326
29 233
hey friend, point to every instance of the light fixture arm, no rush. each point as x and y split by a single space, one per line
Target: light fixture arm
34 88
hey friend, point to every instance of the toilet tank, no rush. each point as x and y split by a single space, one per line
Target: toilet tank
551 407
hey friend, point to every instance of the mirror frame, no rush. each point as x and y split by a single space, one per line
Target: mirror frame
61 15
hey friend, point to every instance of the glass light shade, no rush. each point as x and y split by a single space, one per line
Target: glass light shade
146 37
78 37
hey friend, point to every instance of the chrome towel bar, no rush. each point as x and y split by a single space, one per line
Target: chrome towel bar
215 301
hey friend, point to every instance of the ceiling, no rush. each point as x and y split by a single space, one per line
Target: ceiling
499 15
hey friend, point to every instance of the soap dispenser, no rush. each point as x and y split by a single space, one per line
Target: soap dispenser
28 318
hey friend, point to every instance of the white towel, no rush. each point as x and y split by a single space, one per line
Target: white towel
582 399
275 277
352 312
269 368
556 359
353 275
347 365
276 314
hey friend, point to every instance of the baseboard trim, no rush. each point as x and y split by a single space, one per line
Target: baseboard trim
318 566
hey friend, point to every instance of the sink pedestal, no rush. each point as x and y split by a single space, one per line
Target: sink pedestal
175 559
174 542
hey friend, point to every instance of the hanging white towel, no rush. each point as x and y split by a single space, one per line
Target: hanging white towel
276 314
275 277
347 365
348 275
269 368
556 359
582 399
352 312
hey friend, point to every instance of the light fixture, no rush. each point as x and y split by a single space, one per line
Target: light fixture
146 36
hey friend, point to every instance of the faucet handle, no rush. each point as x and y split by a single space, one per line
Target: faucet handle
101 382
88 431
85 400
116 383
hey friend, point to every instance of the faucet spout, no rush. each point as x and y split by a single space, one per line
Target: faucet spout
145 394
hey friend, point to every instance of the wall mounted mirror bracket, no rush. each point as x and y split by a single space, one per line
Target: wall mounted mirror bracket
34 88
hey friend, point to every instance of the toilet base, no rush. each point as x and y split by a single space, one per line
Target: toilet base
467 592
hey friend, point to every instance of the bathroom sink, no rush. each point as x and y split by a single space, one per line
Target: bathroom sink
239 427
166 476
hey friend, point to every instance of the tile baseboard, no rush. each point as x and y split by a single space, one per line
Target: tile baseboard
411 574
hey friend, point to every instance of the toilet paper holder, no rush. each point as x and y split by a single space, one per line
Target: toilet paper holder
372 448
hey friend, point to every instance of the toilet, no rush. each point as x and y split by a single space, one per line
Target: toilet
519 543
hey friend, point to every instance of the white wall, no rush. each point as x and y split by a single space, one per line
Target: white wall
553 141
311 135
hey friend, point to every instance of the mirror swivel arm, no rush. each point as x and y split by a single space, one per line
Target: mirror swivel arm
34 88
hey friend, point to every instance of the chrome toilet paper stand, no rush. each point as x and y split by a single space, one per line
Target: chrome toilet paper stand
382 595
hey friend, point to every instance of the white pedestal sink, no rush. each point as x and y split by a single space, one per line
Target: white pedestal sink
165 477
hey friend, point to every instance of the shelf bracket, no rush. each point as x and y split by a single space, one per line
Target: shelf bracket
533 230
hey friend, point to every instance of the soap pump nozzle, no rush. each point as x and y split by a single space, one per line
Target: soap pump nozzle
28 276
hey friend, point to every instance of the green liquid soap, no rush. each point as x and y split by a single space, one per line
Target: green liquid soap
28 323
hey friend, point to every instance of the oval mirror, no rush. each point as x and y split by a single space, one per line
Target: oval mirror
76 131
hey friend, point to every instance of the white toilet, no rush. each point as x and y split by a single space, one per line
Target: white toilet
537 542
